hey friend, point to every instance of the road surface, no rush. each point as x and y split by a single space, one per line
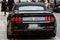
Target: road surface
3 27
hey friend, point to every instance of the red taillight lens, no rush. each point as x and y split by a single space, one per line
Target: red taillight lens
16 19
49 18
49 30
16 30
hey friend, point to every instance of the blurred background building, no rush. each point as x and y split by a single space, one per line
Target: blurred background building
31 0
47 2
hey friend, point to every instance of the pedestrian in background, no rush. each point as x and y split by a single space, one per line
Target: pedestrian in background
10 4
4 7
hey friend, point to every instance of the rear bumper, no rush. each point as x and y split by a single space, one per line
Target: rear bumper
32 34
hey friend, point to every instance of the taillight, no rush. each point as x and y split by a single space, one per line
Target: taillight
16 19
16 30
49 18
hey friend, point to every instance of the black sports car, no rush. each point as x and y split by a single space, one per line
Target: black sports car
31 20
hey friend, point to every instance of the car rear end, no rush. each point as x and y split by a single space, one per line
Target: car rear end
31 25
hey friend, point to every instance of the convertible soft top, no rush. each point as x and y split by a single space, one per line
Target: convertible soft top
30 4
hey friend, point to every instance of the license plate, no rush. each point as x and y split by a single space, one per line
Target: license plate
32 26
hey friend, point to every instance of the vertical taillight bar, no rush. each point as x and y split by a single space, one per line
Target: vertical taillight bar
49 18
16 19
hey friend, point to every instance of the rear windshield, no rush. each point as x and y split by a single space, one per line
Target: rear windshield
31 8
42 8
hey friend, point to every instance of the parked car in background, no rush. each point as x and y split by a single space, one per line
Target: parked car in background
31 20
56 6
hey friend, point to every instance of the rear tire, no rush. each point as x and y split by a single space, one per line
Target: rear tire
9 30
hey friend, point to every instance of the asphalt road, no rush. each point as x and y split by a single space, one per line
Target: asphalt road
57 15
3 27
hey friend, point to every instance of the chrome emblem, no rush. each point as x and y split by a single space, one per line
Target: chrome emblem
33 18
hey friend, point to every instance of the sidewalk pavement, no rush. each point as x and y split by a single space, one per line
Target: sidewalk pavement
3 26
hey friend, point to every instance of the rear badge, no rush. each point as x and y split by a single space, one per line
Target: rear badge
33 18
